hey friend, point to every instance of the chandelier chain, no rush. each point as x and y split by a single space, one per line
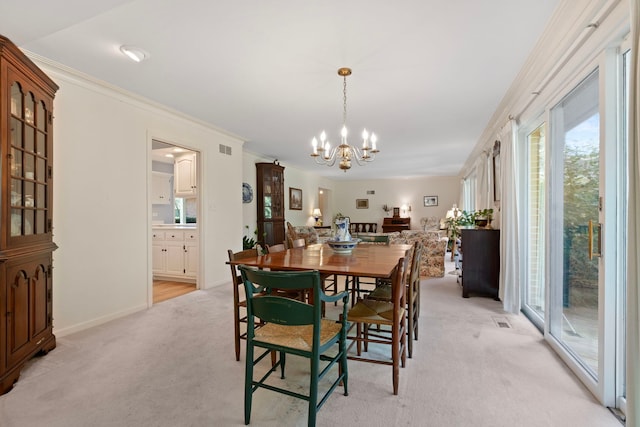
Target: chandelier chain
344 99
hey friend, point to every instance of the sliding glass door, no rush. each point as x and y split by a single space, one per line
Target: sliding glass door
575 218
573 222
533 304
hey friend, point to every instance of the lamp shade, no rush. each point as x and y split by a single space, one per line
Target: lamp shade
317 213
453 212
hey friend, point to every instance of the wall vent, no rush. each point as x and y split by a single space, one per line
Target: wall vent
371 191
225 149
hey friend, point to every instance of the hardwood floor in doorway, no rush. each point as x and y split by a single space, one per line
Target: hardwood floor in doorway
165 289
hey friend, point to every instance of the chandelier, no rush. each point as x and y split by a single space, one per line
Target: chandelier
345 153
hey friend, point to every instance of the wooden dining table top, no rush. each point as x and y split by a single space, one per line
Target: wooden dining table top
365 260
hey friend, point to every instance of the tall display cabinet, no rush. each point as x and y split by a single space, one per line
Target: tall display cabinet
26 243
270 203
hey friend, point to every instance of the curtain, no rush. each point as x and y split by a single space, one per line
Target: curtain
633 227
482 180
509 290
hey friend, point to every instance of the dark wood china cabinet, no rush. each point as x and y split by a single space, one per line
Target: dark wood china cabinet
26 241
270 203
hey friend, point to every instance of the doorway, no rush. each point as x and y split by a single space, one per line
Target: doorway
324 196
175 210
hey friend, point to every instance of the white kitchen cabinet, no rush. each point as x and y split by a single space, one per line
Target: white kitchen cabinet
191 259
185 175
175 253
160 188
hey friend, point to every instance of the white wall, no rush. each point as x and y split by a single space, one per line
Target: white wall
395 193
102 212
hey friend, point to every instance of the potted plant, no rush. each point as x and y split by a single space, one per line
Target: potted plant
482 218
454 224
250 242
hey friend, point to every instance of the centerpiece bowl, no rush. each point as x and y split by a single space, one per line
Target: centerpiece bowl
343 247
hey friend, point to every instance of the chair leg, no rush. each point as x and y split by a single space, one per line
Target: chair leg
403 342
366 336
395 358
236 328
248 383
283 361
313 391
342 346
410 329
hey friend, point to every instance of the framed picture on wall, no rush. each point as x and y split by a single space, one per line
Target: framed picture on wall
430 201
496 171
295 199
362 203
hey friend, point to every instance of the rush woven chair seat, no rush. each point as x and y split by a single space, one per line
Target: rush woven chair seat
390 316
293 327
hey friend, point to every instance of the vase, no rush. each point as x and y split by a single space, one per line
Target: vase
342 230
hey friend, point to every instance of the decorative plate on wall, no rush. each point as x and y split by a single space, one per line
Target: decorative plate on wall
247 193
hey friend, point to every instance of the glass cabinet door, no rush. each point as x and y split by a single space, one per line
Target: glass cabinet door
29 164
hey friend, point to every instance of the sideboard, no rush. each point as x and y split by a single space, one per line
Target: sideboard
480 262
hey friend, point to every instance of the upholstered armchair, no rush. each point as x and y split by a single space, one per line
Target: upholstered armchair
434 249
306 232
430 223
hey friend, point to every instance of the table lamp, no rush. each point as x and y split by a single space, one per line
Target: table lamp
317 214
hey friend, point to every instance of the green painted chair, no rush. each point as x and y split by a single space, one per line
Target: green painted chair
293 327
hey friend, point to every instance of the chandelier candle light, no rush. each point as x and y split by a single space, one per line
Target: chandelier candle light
325 155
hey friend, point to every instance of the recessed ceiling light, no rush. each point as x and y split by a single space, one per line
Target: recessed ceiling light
168 155
134 53
179 150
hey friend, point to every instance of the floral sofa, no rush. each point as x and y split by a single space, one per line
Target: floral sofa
433 250
308 233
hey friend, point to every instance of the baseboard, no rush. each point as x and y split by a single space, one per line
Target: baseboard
95 322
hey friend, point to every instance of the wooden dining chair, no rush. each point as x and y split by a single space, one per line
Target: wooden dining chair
383 292
293 327
280 247
298 243
361 286
291 235
413 296
239 302
391 317
329 281
300 295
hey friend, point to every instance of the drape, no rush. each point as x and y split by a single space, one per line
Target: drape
509 283
633 228
482 182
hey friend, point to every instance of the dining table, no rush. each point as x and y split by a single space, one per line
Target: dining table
376 261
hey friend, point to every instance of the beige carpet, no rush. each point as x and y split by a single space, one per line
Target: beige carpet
174 365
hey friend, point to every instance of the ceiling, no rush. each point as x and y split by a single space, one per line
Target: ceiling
427 74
